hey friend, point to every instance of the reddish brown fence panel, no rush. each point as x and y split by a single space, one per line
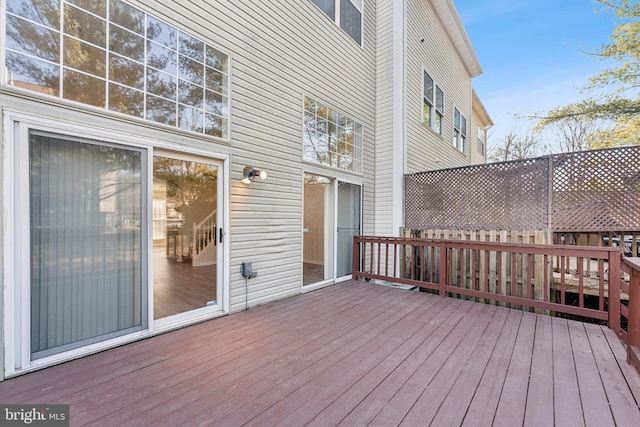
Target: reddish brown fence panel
586 191
496 196
597 190
503 273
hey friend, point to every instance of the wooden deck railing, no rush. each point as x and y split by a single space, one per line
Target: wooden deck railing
573 280
631 334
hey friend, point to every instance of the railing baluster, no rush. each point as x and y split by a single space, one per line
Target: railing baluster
580 282
601 284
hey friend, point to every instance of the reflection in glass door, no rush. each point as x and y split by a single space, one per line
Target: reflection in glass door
318 224
349 215
332 216
185 235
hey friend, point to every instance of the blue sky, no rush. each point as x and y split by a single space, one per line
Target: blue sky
532 55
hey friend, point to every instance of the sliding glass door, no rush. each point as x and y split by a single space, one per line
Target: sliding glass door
349 225
332 216
86 238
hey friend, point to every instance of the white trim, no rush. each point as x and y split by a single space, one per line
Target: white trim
4 78
8 242
448 15
399 112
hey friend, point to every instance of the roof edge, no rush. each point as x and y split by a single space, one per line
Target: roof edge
448 15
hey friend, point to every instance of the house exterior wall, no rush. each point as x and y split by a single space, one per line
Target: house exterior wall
480 123
426 149
280 51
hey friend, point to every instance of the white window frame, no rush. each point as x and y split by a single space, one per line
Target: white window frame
435 119
359 5
482 140
459 141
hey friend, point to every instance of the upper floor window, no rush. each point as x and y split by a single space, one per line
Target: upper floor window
349 17
459 130
330 137
481 140
109 54
432 104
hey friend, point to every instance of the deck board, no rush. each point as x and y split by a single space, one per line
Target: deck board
513 399
352 354
483 407
566 391
539 408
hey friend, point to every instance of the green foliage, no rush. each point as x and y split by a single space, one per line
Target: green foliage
616 108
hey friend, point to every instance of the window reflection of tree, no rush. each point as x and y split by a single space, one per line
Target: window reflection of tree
329 136
179 66
191 186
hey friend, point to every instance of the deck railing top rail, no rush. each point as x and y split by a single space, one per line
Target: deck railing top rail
580 281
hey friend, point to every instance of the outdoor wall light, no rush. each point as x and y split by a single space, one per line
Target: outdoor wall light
251 172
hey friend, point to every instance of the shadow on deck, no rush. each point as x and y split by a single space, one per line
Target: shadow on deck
353 354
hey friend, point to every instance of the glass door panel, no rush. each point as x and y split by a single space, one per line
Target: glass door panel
86 230
318 227
349 215
185 235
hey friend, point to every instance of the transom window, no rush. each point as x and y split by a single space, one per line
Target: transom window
111 55
330 137
459 130
432 104
349 17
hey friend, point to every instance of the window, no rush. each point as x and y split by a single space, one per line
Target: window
432 104
330 137
481 140
349 18
112 55
459 130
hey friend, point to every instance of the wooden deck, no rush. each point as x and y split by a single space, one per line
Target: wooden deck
352 354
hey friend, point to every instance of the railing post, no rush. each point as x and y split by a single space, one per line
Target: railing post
355 261
444 267
634 309
614 291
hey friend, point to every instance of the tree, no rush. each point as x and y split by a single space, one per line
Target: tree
614 104
573 133
515 145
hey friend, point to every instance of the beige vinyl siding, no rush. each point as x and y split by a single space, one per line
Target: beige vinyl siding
426 150
384 120
280 50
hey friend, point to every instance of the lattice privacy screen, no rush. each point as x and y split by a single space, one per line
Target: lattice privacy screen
590 191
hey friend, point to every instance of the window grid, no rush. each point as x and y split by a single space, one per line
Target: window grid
330 137
459 130
347 14
432 104
196 91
